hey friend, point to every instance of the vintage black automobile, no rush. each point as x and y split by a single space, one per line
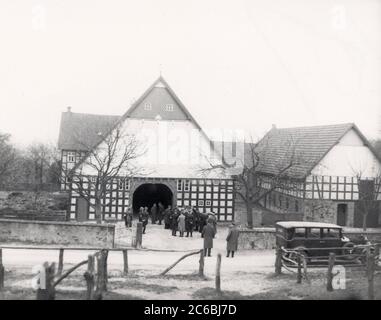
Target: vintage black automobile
302 236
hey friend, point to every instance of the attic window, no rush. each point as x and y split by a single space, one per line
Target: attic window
71 156
169 107
147 106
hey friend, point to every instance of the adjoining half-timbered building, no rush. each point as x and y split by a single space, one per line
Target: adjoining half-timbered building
177 150
336 174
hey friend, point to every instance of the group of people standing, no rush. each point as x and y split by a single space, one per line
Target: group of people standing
187 220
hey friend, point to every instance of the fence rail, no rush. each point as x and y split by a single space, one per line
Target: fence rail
96 274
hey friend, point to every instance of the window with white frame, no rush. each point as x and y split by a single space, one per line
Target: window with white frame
168 107
71 156
186 185
179 185
124 184
147 106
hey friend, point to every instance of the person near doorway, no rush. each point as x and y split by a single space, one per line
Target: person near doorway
174 223
181 223
144 218
189 223
154 212
232 240
208 233
160 213
167 217
128 218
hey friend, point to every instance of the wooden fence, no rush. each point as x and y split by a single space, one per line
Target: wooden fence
96 275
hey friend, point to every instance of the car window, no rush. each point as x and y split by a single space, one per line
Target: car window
313 233
331 233
297 233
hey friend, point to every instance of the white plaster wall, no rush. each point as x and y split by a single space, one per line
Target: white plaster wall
349 158
174 149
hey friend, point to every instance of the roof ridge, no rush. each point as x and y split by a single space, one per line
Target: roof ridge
317 126
90 114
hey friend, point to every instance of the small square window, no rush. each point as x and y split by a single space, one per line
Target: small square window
201 203
208 203
169 107
147 106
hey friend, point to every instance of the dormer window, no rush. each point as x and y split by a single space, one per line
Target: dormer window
169 107
147 106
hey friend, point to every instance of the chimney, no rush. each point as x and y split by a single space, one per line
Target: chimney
273 126
69 109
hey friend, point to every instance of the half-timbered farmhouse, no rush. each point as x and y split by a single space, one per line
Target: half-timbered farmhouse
177 150
335 176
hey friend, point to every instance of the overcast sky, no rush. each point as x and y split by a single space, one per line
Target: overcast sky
242 64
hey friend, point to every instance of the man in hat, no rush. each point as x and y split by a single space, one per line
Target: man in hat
232 240
208 233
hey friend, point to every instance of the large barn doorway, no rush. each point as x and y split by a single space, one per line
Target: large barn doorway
150 193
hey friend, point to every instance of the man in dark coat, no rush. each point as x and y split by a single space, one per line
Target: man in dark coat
144 218
232 240
154 213
128 218
208 233
174 223
189 223
160 213
167 217
202 221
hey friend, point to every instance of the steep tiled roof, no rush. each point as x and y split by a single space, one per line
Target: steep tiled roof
303 146
79 130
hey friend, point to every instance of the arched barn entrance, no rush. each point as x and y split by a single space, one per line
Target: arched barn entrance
150 193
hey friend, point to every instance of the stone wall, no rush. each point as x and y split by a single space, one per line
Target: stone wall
57 233
326 211
257 238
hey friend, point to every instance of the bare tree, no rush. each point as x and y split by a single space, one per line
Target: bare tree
7 157
38 160
113 158
251 184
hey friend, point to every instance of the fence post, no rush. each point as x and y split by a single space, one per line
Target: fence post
125 262
299 277
218 273
370 274
47 292
139 235
201 264
60 262
331 263
278 260
2 271
305 268
89 277
101 273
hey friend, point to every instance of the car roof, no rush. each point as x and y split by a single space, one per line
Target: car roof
306 224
